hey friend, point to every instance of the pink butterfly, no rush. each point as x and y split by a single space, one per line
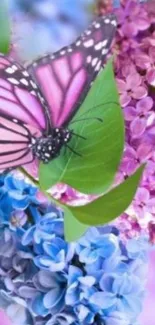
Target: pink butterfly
37 103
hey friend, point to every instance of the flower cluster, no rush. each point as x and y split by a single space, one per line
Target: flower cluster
135 74
46 281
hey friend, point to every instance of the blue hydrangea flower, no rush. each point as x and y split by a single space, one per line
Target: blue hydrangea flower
96 245
47 293
53 253
15 194
46 281
120 292
79 287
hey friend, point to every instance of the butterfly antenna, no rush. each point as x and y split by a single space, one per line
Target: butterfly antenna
94 107
78 135
72 150
86 119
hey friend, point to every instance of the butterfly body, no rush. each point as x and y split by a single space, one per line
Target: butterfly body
38 103
49 147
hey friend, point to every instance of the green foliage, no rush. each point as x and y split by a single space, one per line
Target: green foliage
73 228
5 30
111 205
102 150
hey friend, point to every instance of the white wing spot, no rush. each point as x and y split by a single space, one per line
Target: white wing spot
97 25
104 43
13 81
104 51
107 21
113 22
25 73
98 46
88 32
14 120
70 50
33 84
24 82
62 52
98 66
12 69
78 43
94 62
89 43
89 58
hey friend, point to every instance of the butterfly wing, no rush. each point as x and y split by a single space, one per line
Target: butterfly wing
15 142
22 115
66 76
20 96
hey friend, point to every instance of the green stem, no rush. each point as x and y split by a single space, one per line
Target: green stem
30 177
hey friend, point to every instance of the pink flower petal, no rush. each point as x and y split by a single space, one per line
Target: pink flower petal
152 54
133 80
144 151
143 61
128 69
139 92
133 8
125 99
151 77
130 113
142 195
137 127
129 29
142 23
144 105
121 85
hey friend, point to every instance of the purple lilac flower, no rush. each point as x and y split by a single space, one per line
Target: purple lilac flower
133 18
131 88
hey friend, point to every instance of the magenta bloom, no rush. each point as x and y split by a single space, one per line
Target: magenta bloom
133 18
131 88
147 62
139 116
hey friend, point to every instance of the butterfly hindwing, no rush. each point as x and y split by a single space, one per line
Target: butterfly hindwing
66 76
15 143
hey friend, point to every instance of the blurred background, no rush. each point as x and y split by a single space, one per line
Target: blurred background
42 26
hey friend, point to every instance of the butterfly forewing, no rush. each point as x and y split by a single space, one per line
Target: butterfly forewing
20 96
66 76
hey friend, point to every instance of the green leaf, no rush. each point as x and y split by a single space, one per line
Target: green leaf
73 228
101 151
5 30
110 205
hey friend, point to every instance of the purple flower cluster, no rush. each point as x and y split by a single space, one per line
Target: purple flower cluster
135 74
46 281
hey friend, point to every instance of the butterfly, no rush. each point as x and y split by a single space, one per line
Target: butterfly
38 102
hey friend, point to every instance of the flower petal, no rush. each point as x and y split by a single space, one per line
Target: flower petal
139 92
